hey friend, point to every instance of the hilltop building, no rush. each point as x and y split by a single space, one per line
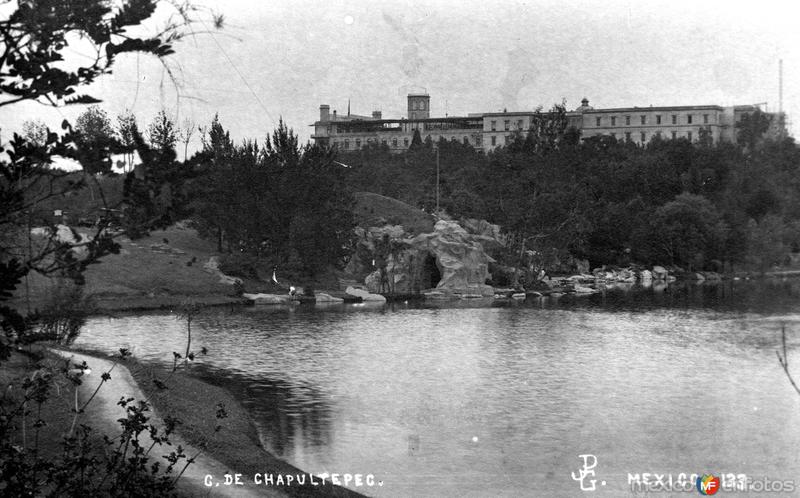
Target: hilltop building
486 131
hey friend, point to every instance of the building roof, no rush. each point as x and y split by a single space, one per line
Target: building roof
669 108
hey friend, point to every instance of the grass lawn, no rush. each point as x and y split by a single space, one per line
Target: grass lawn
162 269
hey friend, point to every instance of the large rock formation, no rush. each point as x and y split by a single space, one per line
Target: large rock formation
448 262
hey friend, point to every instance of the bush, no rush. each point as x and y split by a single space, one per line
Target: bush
63 314
87 463
240 265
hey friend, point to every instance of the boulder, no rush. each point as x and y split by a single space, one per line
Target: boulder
659 273
364 295
67 235
322 297
268 298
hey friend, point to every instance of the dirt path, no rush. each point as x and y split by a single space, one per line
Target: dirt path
103 412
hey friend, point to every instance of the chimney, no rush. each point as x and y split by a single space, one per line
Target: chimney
334 114
376 114
324 112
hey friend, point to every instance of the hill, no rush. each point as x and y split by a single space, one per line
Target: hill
161 269
376 210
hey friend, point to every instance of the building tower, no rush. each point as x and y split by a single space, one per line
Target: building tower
419 106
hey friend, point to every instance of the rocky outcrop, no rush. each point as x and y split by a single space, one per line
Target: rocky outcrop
65 235
460 258
449 262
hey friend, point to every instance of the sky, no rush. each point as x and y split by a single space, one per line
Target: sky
276 60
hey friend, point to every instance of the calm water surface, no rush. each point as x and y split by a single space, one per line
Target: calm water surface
500 401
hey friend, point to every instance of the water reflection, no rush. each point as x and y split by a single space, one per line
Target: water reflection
286 412
761 296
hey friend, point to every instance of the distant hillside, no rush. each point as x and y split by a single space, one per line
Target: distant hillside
375 209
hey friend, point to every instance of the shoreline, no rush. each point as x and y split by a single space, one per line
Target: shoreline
108 305
236 447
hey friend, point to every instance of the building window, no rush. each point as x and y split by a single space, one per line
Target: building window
347 144
674 135
494 141
508 139
466 141
628 120
627 136
405 142
689 118
383 142
598 121
644 137
358 143
689 135
478 140
658 119
519 124
613 121
394 142
705 118
506 124
644 119
674 119
494 125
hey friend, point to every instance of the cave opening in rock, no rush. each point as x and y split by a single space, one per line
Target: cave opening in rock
430 273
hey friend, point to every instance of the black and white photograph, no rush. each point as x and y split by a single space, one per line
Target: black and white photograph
399 248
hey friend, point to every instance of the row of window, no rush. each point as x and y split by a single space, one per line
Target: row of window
643 136
346 142
643 119
506 138
506 124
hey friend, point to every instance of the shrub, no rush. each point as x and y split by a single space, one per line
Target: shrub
63 314
240 265
89 463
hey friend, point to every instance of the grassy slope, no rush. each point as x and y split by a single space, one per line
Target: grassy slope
375 209
194 403
142 277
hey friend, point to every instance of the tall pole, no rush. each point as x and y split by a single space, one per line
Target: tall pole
437 179
780 87
781 119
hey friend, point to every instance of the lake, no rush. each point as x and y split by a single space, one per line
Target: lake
501 400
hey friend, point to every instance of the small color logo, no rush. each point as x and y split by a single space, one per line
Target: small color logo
708 484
